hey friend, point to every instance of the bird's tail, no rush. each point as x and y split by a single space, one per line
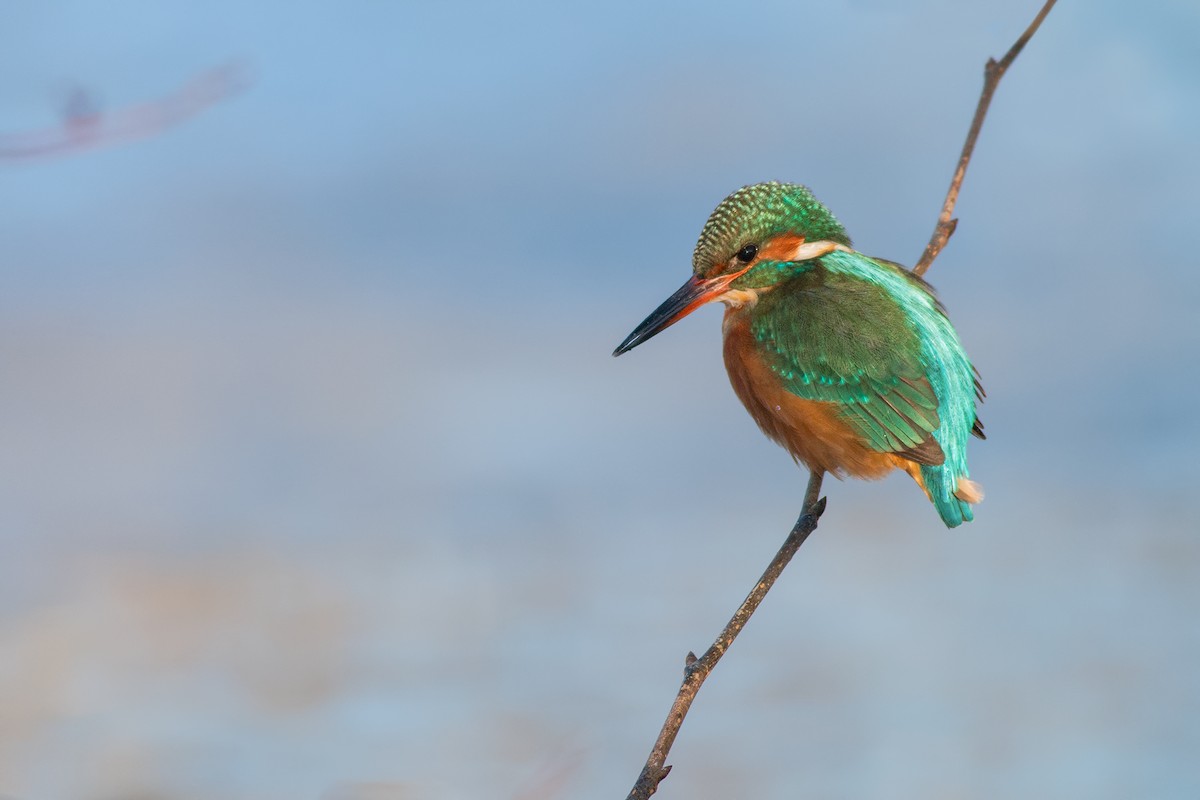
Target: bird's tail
952 495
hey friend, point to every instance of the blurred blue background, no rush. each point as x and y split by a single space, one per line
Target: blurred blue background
317 479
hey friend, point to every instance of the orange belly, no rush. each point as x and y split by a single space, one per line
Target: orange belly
812 431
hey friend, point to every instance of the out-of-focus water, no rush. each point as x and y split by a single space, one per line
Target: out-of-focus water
316 478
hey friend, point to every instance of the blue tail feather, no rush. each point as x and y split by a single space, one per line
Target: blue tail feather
941 484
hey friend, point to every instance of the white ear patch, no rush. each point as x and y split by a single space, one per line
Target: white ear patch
806 251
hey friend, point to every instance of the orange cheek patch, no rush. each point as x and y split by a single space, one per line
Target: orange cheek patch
780 248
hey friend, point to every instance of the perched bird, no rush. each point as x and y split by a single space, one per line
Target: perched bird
848 361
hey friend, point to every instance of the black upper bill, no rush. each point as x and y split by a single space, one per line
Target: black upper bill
690 296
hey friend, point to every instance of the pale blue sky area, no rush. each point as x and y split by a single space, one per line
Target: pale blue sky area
318 479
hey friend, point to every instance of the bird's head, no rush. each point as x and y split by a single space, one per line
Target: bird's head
756 238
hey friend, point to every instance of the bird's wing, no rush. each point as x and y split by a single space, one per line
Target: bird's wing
842 340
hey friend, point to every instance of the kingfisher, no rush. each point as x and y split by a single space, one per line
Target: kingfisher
846 360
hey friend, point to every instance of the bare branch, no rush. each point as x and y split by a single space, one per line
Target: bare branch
696 670
992 73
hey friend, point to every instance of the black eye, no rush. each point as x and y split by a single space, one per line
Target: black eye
747 253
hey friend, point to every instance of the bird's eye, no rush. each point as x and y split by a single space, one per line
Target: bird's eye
747 253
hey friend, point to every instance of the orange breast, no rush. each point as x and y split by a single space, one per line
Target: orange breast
810 430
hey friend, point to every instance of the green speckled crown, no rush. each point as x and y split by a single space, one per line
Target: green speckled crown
756 213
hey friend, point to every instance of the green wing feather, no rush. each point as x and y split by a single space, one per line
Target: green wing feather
839 339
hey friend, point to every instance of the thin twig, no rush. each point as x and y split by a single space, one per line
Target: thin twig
696 670
992 73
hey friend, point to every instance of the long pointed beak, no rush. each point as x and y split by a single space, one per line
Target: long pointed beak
688 298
